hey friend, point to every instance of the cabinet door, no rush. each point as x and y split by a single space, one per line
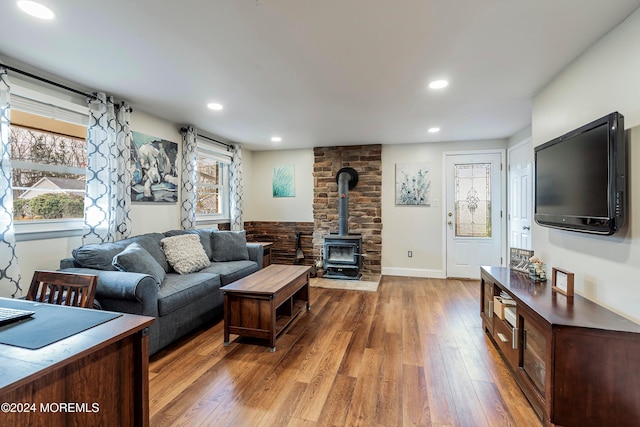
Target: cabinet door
487 304
534 353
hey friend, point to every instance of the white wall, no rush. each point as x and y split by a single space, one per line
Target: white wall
418 228
519 137
145 217
156 217
263 206
604 79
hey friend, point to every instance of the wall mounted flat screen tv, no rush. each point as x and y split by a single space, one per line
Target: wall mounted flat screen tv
580 178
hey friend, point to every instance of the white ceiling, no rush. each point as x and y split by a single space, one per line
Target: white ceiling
316 72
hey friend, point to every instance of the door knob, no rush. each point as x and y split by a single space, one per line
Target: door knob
450 214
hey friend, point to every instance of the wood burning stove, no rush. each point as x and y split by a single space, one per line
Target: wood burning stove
343 251
342 256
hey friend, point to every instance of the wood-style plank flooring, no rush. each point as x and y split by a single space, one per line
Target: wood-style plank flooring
413 353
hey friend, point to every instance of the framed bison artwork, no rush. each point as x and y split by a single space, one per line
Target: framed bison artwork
154 169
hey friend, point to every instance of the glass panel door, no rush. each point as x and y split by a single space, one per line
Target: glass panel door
473 199
474 222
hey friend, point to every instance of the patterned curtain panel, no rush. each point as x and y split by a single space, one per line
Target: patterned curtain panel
121 172
235 175
9 270
188 178
108 195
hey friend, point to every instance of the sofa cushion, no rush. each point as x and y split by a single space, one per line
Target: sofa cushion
151 242
136 259
229 246
231 271
185 253
178 291
204 233
98 255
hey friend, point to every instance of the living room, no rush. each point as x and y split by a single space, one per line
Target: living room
600 80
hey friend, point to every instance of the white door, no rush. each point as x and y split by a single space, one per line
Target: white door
474 217
520 195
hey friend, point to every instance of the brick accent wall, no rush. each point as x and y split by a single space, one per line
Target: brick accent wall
365 200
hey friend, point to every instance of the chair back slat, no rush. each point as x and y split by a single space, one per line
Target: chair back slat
56 287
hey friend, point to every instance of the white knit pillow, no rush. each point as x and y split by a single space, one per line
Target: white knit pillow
185 253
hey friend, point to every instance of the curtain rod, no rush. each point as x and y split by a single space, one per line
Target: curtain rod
229 146
42 79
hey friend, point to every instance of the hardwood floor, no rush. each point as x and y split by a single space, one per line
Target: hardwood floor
412 353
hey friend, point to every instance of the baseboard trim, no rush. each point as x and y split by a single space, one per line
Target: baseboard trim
413 272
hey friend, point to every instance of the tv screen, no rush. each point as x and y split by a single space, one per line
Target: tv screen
580 178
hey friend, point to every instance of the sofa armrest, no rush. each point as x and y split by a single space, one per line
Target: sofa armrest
255 253
68 263
139 289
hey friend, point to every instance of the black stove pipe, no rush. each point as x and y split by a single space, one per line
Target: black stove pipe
343 204
347 179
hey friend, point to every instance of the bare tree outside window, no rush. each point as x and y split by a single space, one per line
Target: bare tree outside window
48 178
208 187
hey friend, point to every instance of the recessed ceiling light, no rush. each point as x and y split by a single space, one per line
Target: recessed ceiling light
276 139
36 10
438 84
433 130
215 106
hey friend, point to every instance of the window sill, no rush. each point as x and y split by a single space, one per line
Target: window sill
211 220
47 229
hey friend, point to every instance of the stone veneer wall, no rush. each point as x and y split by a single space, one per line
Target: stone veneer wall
365 200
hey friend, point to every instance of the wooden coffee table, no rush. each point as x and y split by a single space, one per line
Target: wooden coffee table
264 303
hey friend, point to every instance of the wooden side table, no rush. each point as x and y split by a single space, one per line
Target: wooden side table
266 253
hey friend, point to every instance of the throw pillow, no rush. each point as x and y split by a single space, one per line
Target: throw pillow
97 255
151 242
136 259
204 233
185 253
229 246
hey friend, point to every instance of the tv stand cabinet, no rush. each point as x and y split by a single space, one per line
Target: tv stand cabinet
577 362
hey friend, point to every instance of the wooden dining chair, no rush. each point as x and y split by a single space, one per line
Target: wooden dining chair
56 287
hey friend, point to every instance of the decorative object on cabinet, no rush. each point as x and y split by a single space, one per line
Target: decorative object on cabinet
537 269
519 259
562 281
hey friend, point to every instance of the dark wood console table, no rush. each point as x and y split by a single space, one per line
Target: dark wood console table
99 377
577 362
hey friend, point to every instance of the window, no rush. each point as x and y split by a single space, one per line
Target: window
473 199
212 186
48 160
48 170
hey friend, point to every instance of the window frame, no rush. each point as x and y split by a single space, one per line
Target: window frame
37 100
214 152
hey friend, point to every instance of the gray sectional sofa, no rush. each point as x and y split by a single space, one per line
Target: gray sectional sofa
134 276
